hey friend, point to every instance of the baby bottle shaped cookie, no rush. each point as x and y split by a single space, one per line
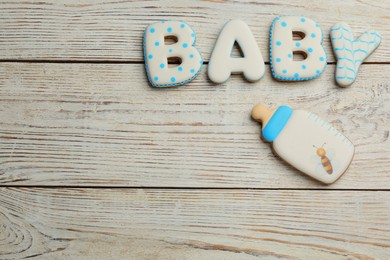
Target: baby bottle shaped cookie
306 141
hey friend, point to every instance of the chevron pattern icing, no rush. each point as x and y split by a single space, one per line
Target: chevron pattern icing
351 53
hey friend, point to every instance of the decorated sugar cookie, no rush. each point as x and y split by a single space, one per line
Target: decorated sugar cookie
157 53
306 142
283 47
351 53
221 63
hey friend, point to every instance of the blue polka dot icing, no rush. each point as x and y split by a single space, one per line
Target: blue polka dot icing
282 46
322 58
156 54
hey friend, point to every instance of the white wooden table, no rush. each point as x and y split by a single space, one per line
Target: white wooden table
94 163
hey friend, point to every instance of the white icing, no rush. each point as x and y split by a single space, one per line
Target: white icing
351 53
295 144
283 45
157 53
222 65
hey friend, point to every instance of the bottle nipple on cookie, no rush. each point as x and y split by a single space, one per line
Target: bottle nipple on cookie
262 114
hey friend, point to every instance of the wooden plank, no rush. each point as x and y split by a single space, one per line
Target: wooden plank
193 224
113 30
101 124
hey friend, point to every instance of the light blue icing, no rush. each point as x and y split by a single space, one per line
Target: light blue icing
173 80
350 68
277 122
284 24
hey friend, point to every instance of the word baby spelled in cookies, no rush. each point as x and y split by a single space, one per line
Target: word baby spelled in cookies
158 52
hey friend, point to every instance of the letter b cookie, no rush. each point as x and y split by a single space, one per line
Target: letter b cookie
157 53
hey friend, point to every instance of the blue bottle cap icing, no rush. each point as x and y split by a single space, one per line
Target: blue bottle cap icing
277 122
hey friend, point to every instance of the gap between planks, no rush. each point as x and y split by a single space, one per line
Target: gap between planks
137 62
181 188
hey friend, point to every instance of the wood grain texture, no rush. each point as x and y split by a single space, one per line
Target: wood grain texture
102 125
97 123
193 224
112 30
